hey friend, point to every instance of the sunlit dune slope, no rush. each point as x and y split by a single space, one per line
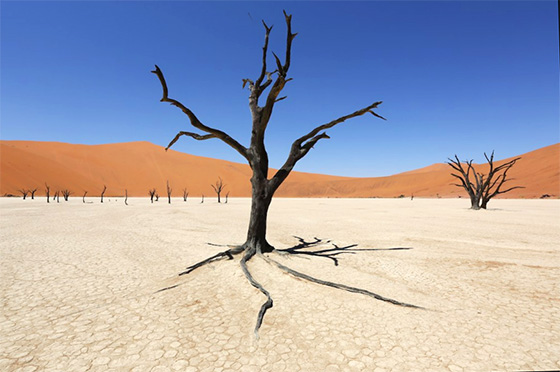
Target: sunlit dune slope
139 166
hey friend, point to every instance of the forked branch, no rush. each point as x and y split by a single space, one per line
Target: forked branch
195 122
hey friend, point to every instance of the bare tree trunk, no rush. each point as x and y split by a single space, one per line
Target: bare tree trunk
152 194
185 194
169 189
227 195
84 197
202 201
33 193
125 197
47 191
103 192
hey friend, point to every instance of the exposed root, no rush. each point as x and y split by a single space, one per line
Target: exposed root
343 287
330 253
227 253
268 304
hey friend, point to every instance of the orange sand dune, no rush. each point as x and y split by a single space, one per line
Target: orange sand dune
139 166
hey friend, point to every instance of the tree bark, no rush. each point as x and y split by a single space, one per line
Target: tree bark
260 202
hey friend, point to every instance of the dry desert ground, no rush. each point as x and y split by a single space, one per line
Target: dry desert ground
78 283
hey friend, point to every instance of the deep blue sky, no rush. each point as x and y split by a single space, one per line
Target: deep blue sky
455 77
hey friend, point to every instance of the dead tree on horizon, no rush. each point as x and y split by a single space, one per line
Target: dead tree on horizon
169 189
84 197
66 194
185 194
57 196
202 201
227 195
263 186
481 187
152 194
157 196
103 192
218 187
24 193
125 197
33 193
47 191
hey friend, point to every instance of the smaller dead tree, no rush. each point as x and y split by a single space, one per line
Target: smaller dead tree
47 191
202 201
66 194
24 193
57 196
169 189
152 194
227 195
218 187
185 194
84 197
125 197
103 192
157 196
482 187
33 193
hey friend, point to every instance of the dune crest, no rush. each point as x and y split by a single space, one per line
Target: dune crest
140 166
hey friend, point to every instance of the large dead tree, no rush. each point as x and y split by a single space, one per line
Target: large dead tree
271 81
219 187
482 187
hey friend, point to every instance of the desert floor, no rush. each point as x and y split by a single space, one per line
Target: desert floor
78 283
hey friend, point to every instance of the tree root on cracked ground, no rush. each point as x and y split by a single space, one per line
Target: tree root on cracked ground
329 253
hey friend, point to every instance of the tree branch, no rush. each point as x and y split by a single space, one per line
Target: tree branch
302 145
196 136
197 123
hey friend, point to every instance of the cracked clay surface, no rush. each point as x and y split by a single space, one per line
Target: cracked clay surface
77 285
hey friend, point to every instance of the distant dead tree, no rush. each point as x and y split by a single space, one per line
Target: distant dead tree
125 197
66 194
157 196
33 193
202 201
218 187
481 187
272 81
185 194
103 192
169 189
152 194
47 191
227 195
84 197
24 193
57 196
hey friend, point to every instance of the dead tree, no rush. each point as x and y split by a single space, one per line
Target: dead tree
157 196
482 187
125 197
84 197
103 192
263 186
218 187
47 191
169 189
32 192
185 194
202 201
152 194
24 193
57 196
227 195
66 194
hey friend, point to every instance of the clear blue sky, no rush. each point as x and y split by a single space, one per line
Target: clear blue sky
455 77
